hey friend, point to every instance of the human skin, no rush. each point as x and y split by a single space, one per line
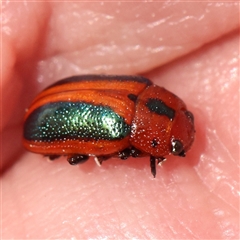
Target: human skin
192 49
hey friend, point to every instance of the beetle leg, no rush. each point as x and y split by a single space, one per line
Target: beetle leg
160 160
76 159
52 157
100 159
135 152
153 165
124 154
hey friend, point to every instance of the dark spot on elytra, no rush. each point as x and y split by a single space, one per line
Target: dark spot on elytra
132 97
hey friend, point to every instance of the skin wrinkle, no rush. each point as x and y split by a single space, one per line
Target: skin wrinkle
206 184
181 222
224 201
158 22
169 224
224 148
163 207
141 223
188 229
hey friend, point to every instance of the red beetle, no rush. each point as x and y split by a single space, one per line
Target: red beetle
108 116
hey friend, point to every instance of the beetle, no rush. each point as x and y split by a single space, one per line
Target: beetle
108 116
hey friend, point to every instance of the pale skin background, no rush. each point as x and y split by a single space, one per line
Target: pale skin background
191 49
